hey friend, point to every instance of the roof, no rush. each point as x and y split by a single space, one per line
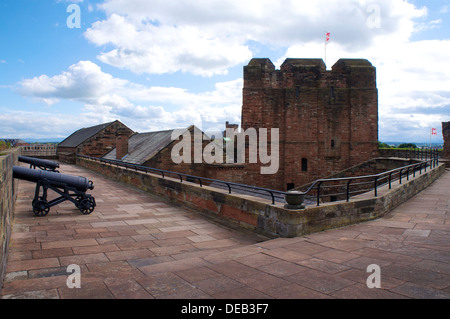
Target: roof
143 146
82 135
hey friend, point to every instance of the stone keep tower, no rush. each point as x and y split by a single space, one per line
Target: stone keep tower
327 120
446 136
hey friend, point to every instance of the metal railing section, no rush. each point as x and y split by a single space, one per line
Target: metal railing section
374 181
419 154
274 195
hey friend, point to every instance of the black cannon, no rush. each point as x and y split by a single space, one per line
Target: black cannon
72 188
40 163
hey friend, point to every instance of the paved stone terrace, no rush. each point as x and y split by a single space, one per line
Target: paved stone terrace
137 246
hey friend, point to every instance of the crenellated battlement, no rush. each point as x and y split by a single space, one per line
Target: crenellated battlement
327 119
309 73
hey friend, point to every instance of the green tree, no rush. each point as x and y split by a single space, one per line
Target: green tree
407 145
3 146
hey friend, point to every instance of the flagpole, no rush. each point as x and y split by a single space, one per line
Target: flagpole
431 132
327 38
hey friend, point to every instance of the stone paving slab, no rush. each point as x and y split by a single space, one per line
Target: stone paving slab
136 246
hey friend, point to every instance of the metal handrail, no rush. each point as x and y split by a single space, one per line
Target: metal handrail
188 177
316 185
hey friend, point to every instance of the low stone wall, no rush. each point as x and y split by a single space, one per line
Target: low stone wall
360 208
8 195
260 215
407 153
46 151
67 157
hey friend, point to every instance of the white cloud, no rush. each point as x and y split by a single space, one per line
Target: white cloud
206 37
146 48
145 108
38 124
412 82
444 9
428 25
83 81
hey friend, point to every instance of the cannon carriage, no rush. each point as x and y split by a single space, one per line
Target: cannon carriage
68 187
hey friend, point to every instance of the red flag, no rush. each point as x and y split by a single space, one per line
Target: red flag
327 37
433 131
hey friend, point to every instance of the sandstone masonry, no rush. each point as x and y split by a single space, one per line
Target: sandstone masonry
327 120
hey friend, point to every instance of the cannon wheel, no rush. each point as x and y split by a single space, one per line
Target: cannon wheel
41 208
86 206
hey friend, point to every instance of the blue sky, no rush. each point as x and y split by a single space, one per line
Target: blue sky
157 64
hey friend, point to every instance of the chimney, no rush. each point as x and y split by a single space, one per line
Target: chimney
233 126
121 143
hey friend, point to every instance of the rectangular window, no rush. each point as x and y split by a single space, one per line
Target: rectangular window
304 164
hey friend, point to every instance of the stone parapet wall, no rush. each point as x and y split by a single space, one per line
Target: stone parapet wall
40 150
8 195
446 136
260 215
408 153
67 157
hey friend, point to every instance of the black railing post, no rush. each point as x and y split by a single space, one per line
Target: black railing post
348 190
390 180
376 182
318 193
273 197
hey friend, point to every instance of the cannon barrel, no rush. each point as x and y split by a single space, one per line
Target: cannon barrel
81 184
38 162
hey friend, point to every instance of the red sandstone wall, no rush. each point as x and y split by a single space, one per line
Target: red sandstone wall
258 214
446 136
329 118
104 141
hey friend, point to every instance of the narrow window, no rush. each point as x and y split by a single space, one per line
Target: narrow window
297 91
332 144
304 164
